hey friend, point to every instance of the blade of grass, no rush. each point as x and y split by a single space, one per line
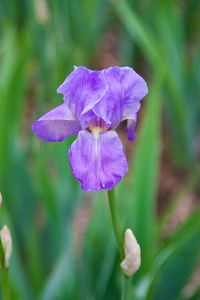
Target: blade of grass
186 246
174 263
61 279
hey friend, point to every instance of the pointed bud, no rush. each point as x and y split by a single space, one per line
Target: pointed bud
132 260
41 11
1 200
6 247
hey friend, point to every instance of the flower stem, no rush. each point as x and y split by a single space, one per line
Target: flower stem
126 288
120 241
5 286
116 223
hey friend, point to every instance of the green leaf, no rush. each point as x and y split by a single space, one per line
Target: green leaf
174 264
61 279
139 32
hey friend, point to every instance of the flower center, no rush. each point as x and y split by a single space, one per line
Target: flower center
96 130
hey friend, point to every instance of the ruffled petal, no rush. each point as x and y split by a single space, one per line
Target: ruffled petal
82 89
56 125
98 161
122 99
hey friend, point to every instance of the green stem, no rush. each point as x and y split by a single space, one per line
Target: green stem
116 223
120 241
126 288
5 286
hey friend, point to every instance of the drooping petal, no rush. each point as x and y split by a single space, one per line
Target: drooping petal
82 89
122 99
98 161
130 128
56 125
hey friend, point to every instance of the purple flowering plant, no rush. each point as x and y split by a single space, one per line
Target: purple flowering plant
95 103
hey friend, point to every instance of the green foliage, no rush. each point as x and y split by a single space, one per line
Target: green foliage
145 170
40 41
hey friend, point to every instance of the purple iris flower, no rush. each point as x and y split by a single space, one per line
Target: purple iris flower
95 103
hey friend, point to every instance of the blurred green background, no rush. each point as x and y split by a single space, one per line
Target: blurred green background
63 243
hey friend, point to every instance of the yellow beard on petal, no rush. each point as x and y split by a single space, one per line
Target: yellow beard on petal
96 130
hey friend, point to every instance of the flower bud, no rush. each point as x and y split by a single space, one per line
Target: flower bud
132 260
41 11
0 200
6 247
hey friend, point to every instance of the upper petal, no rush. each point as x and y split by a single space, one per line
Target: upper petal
122 99
56 125
82 89
99 161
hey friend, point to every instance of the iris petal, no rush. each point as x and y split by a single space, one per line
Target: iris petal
130 128
98 162
56 125
82 89
122 98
